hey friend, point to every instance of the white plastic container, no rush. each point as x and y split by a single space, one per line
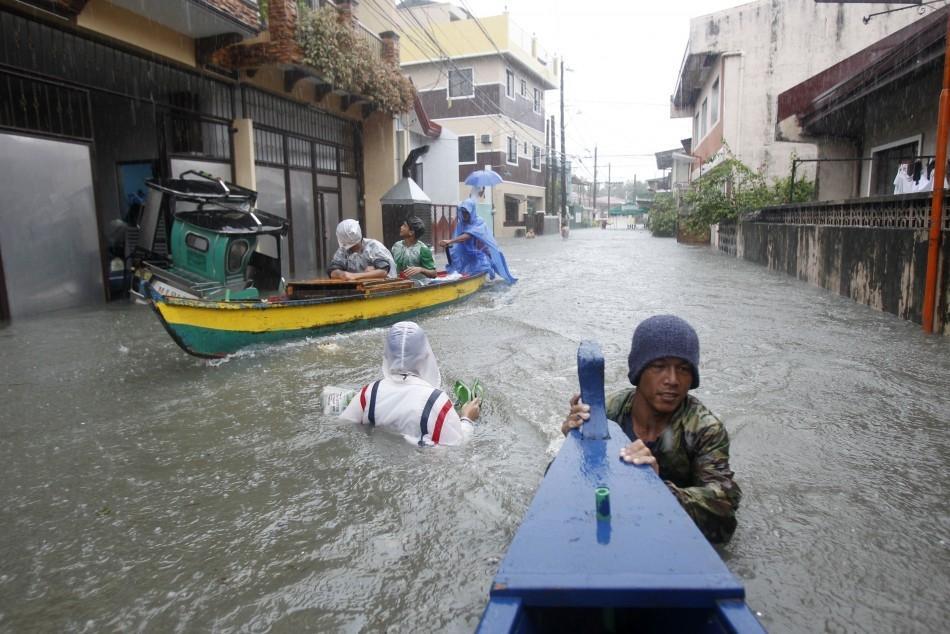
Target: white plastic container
336 398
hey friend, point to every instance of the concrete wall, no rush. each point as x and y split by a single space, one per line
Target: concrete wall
440 166
881 268
379 171
107 19
781 44
836 180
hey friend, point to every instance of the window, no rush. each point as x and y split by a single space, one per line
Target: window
703 119
196 242
461 83
696 128
536 158
525 148
467 149
537 100
887 159
236 253
714 113
509 84
524 88
512 150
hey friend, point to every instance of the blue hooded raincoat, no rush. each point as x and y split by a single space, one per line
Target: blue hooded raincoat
479 254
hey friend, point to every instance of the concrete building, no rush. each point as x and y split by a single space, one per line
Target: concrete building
738 60
100 95
490 93
872 112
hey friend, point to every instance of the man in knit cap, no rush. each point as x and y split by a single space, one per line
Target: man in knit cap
671 431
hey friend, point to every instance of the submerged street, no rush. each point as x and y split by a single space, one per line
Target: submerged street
147 490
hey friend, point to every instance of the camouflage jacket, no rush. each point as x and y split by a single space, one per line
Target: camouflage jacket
693 456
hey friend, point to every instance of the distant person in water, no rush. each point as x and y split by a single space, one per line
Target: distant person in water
359 258
413 256
408 399
472 249
669 430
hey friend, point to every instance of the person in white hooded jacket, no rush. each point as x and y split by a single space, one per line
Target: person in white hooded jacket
408 399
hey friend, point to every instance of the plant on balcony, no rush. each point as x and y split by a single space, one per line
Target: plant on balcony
731 189
332 48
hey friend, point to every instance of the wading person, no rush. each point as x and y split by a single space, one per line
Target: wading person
669 430
413 256
408 399
359 258
472 249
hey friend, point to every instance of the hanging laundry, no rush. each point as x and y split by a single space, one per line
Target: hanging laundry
903 183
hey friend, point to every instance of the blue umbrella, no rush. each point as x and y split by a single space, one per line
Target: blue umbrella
483 178
479 179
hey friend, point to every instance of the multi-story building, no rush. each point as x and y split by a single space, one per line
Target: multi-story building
738 60
484 78
99 95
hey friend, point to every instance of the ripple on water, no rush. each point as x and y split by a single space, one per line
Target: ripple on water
147 490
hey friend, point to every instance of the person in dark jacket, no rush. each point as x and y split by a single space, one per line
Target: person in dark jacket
669 430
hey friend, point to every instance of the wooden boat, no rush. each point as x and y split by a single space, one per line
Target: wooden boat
636 564
208 261
211 328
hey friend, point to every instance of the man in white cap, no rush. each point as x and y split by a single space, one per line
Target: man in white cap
408 399
360 258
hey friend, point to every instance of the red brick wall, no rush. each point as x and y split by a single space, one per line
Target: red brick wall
242 11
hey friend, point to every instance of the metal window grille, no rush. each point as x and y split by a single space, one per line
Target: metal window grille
34 105
75 60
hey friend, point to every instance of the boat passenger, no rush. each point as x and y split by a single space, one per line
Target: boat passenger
472 249
408 399
413 256
671 431
360 258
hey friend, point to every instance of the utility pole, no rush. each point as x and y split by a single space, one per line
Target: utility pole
547 168
563 153
595 183
554 165
608 191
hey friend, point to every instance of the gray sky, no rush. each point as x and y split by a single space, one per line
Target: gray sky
625 56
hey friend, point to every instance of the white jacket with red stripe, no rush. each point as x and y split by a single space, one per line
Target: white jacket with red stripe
410 406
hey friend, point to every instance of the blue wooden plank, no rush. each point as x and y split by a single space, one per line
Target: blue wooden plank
649 553
503 614
735 616
590 370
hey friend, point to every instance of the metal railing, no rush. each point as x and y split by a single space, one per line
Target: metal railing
904 211
372 41
443 223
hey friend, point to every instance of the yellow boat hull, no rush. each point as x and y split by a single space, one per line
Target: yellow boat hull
215 329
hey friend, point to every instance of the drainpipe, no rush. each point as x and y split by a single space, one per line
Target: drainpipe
936 209
722 92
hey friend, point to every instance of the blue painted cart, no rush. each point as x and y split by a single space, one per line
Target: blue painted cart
645 567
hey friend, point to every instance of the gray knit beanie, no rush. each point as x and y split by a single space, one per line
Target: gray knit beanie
663 336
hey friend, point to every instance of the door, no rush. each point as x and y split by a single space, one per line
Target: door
50 236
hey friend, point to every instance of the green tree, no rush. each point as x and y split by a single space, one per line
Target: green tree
662 219
732 188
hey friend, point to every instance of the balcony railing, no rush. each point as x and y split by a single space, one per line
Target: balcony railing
372 41
907 211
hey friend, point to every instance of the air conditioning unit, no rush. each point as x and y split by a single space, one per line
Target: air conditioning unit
486 139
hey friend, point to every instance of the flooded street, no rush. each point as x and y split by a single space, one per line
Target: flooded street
147 490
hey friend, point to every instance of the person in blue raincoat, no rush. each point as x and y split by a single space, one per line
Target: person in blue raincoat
472 249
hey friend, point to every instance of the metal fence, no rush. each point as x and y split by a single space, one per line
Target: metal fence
372 41
907 211
443 223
